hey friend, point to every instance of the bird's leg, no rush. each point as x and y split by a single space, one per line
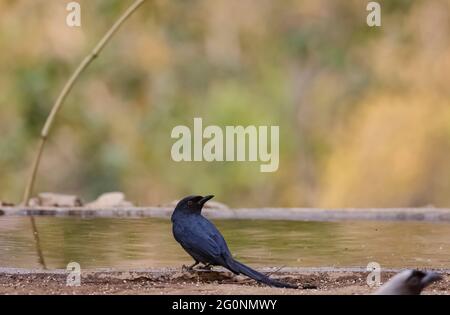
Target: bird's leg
191 267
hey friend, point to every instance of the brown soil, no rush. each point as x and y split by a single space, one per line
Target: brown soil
169 281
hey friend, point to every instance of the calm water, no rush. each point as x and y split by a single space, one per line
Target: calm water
145 243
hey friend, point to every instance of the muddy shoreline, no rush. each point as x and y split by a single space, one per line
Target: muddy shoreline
175 281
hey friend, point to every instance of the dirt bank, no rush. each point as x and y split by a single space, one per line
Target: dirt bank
170 281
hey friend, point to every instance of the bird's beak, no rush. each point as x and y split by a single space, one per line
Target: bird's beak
431 277
205 199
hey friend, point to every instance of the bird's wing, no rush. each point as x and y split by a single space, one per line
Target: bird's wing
198 241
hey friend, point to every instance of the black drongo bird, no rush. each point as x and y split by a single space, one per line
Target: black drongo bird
201 239
408 282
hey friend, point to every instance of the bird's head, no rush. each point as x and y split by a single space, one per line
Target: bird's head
192 204
418 280
409 282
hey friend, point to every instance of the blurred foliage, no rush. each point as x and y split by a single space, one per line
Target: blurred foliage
363 112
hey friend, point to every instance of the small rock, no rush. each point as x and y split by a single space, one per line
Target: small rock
6 204
58 200
34 202
111 199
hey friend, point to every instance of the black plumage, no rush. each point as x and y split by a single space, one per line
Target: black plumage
203 241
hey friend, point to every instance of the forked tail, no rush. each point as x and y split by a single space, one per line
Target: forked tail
238 268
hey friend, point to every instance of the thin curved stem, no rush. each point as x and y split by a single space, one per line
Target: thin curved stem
67 88
37 241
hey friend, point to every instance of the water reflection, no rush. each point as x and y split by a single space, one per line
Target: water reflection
144 243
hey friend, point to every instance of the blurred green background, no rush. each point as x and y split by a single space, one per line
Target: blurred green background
363 112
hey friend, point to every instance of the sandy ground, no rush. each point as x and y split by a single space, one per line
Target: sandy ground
170 281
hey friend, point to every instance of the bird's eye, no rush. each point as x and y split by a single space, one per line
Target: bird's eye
190 203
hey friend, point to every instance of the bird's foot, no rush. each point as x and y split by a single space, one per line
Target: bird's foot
189 268
207 267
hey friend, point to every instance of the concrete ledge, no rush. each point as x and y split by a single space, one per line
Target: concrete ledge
291 214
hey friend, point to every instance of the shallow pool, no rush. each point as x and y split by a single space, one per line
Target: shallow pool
145 243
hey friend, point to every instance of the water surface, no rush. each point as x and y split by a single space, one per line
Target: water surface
148 242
